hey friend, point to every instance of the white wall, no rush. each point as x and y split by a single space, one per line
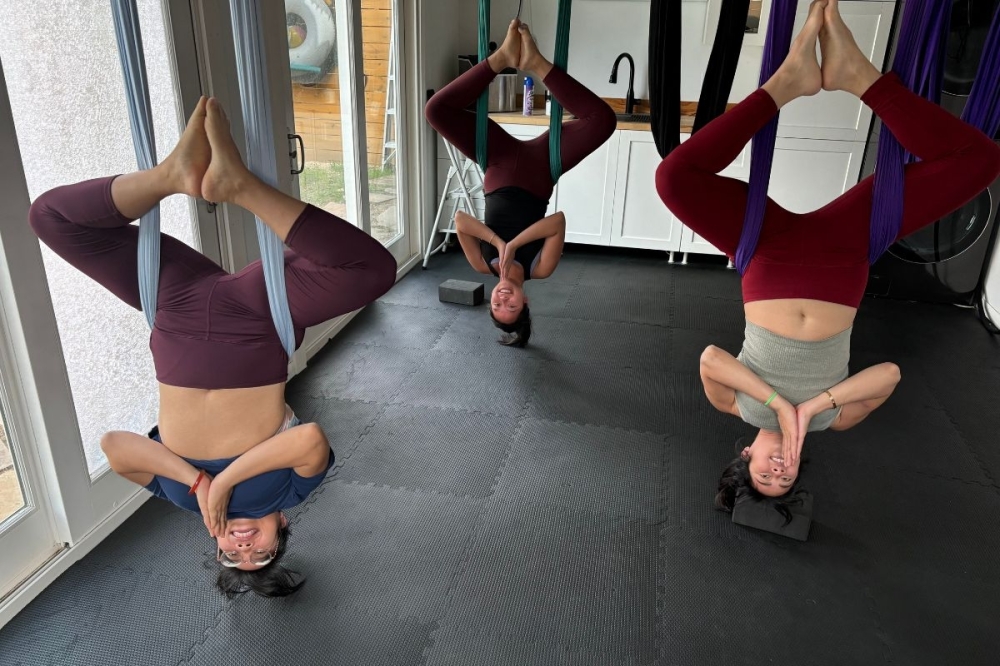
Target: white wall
601 29
993 290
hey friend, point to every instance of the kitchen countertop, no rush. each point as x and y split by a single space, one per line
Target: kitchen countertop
538 117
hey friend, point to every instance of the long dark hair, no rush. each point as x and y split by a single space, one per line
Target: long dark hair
272 580
736 483
517 333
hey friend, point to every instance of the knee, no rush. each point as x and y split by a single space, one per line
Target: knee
668 181
893 374
384 272
709 356
111 446
314 435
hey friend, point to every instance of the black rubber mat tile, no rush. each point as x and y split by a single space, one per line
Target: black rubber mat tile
432 450
708 313
728 601
549 298
624 303
483 384
381 550
687 345
910 432
554 577
110 616
717 282
606 395
289 632
358 372
942 525
601 470
913 605
343 421
420 289
175 545
652 271
564 340
398 326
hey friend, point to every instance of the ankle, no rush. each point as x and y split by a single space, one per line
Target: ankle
498 61
781 88
539 68
863 79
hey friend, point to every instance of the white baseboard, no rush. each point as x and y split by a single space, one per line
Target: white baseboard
45 576
992 310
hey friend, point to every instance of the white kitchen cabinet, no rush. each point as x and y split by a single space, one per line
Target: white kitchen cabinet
806 175
587 193
639 217
839 115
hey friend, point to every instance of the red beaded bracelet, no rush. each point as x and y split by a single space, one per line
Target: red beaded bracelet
194 488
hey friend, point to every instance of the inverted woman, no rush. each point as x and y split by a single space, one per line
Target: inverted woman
804 284
226 445
518 242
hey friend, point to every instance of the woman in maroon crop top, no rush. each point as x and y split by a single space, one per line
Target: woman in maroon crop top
518 242
803 286
220 365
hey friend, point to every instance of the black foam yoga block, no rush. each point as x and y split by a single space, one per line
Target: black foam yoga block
462 292
761 515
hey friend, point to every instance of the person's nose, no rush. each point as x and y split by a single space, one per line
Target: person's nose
777 469
244 545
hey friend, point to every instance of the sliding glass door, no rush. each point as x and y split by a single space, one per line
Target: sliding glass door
341 92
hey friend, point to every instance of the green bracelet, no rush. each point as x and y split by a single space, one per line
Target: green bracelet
769 400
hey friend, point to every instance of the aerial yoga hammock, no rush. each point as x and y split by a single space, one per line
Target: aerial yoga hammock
804 275
518 242
226 446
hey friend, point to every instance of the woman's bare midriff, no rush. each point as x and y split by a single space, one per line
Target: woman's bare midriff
219 423
801 318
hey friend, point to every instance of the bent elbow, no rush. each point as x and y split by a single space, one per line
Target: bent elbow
893 374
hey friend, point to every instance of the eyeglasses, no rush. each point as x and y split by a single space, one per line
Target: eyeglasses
232 559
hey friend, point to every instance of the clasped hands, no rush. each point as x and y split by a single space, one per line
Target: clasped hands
213 501
506 252
794 422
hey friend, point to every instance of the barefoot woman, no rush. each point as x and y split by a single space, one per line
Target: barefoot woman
803 287
518 242
229 448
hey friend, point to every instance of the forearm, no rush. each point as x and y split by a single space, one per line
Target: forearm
470 226
289 449
720 367
129 453
874 383
553 225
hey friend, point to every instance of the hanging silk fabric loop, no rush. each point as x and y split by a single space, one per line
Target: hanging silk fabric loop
919 62
718 82
983 107
128 36
248 33
665 74
483 103
560 60
776 45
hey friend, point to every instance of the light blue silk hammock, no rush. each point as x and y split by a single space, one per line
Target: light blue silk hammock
248 34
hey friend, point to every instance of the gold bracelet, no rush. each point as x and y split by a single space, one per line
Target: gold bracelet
832 401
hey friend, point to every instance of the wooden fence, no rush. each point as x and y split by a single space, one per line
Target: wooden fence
317 107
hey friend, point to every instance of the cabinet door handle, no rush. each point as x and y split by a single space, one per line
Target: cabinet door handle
298 155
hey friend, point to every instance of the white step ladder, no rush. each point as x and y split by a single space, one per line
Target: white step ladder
464 181
389 122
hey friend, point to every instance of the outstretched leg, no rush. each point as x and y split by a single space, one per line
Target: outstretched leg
957 160
687 179
595 121
447 111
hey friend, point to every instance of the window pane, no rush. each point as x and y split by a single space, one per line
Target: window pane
312 53
381 121
11 495
68 100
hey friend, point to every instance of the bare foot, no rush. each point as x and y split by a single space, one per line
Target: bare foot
845 67
509 53
226 174
800 74
186 165
531 59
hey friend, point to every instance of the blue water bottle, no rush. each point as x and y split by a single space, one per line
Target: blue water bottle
529 95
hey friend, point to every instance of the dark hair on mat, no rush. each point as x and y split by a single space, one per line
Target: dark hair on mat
736 482
272 580
518 333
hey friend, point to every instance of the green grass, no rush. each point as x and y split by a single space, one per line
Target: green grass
321 183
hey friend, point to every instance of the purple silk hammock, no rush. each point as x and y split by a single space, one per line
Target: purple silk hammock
919 62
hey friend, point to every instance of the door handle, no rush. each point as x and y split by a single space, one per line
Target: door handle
298 155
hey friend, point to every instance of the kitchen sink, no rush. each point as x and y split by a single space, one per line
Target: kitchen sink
633 117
